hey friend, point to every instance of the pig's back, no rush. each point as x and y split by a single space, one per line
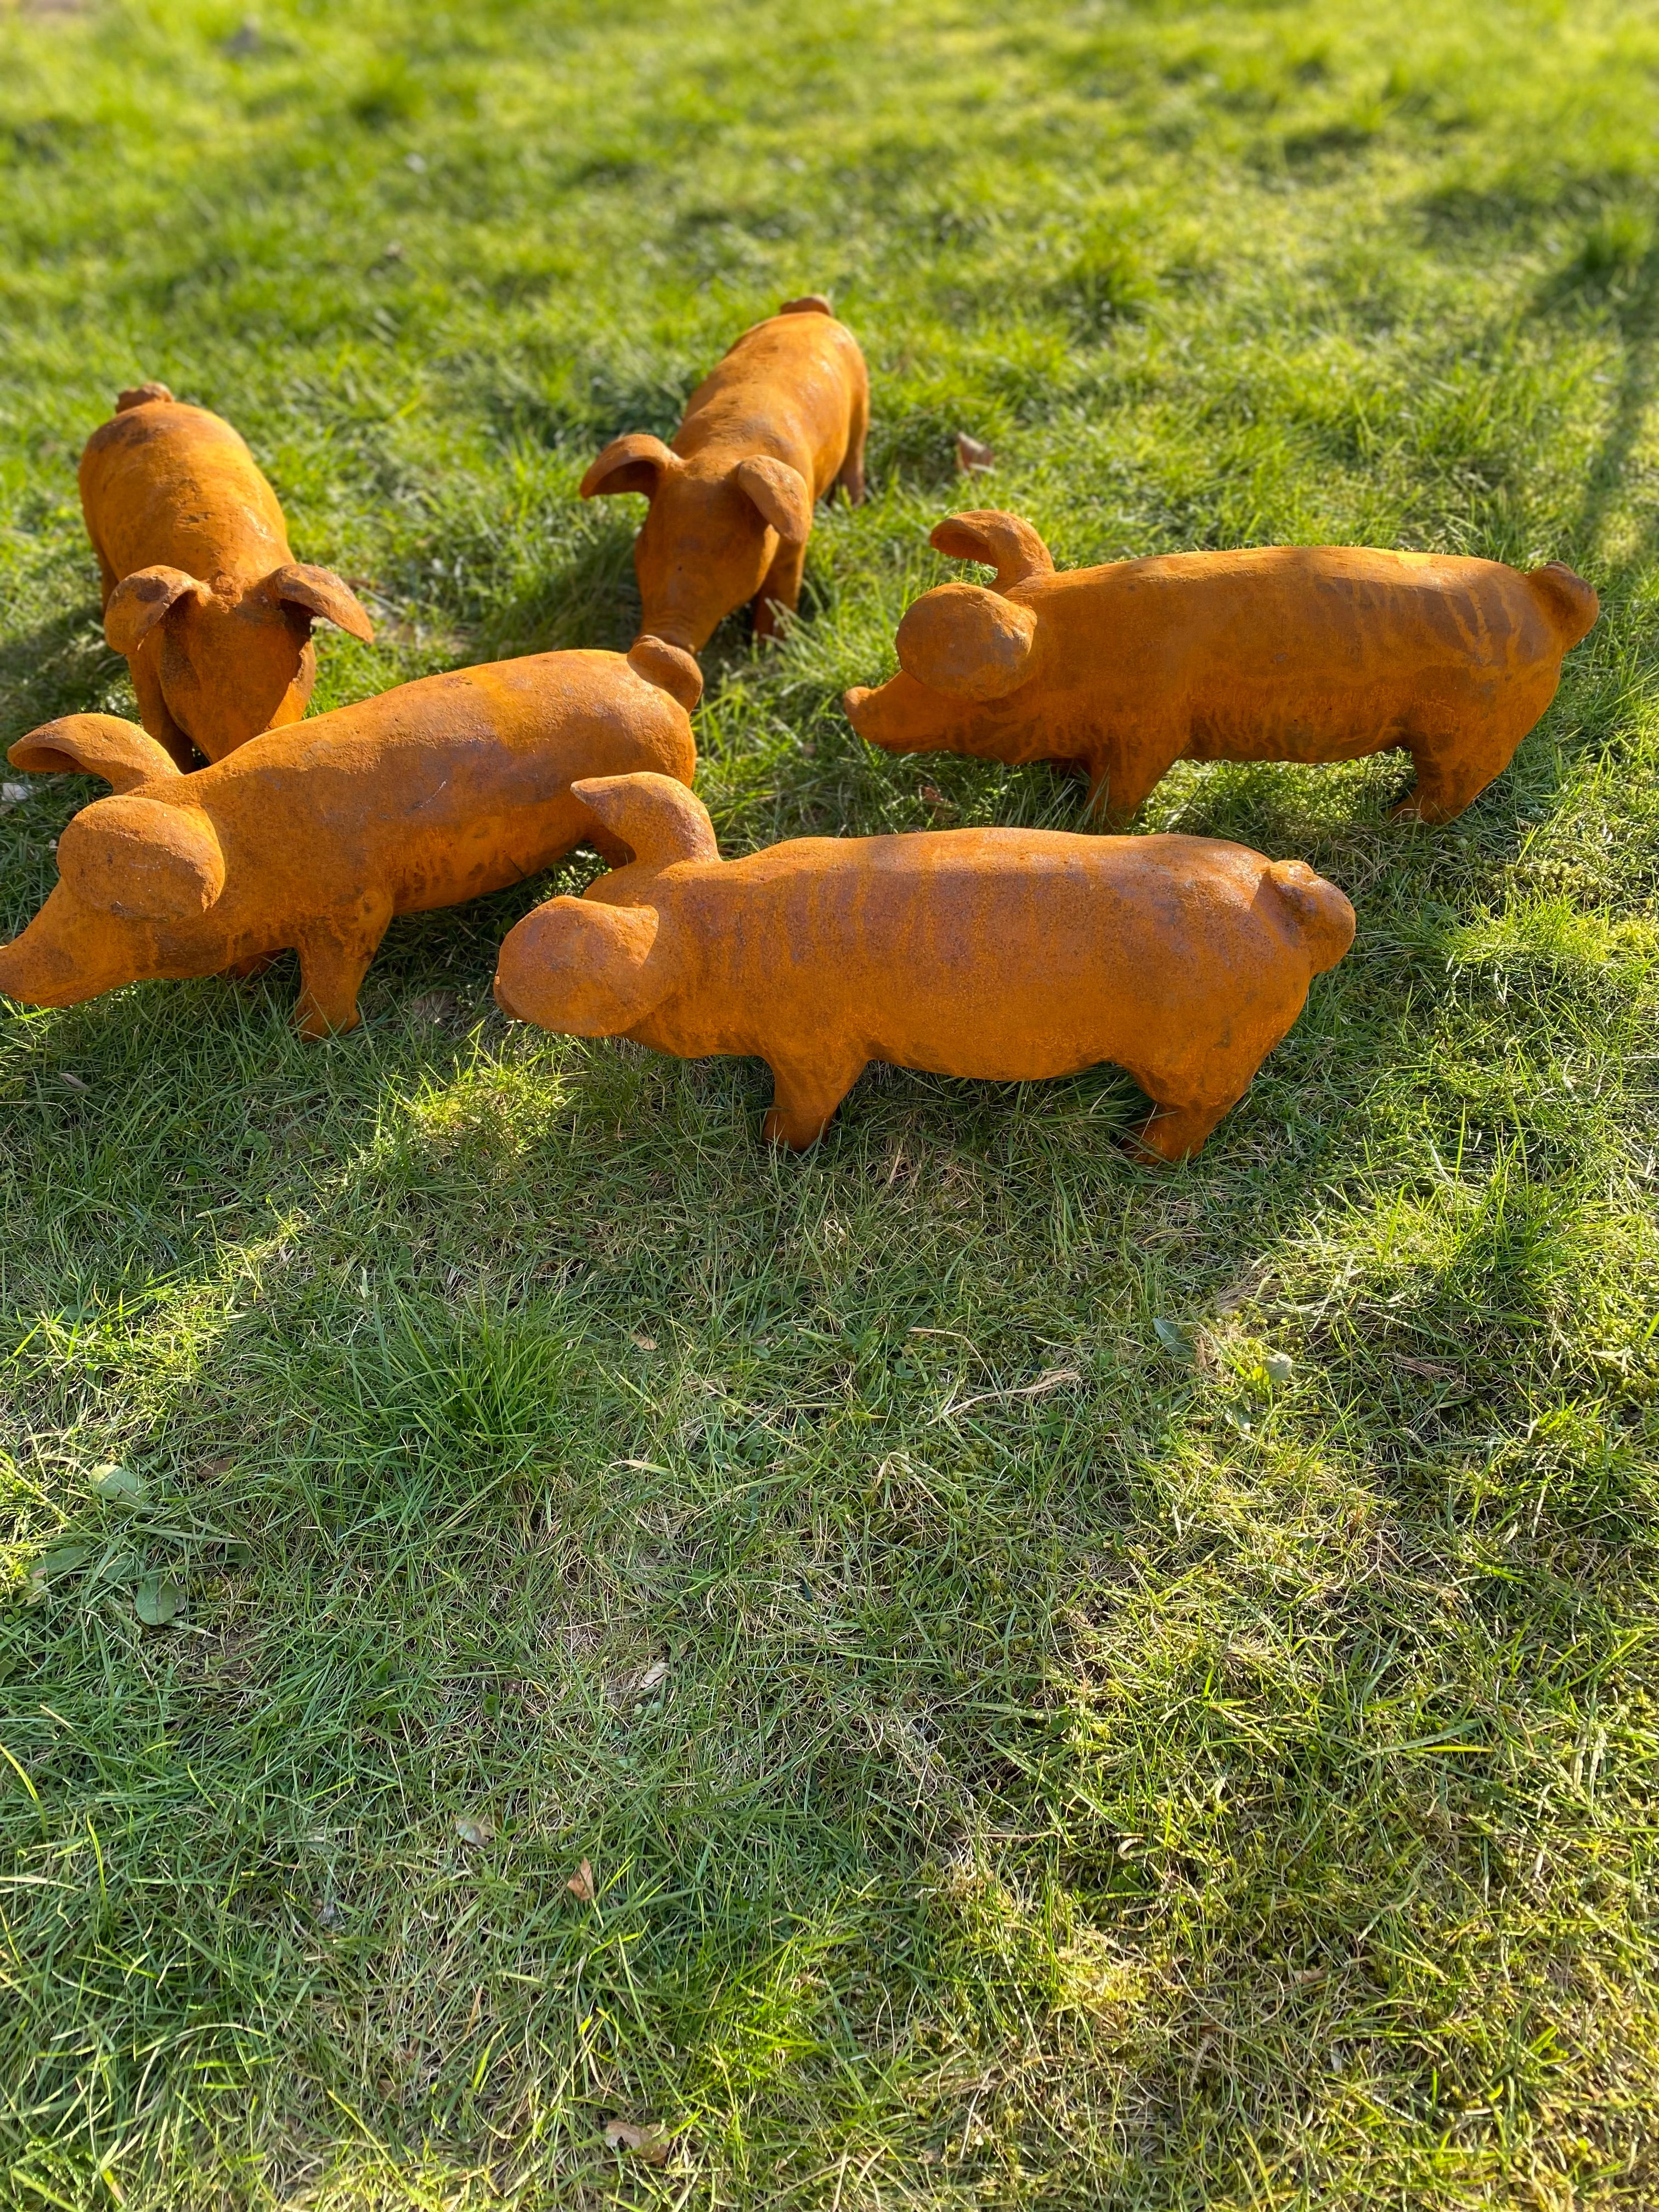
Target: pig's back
457 783
1276 650
996 952
795 372
175 485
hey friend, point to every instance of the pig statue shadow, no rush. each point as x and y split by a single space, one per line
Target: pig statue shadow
588 598
60 666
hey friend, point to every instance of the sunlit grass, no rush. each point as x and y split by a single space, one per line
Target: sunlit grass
1026 1755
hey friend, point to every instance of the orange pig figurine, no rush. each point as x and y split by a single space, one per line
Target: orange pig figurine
1000 954
201 593
1285 652
313 837
780 422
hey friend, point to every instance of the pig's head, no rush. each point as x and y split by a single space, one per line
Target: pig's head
583 966
713 531
233 658
135 871
965 650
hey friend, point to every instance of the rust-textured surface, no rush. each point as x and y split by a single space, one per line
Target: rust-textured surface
313 837
1002 953
780 422
202 593
1280 652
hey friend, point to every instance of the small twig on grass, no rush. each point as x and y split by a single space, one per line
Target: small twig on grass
1050 1379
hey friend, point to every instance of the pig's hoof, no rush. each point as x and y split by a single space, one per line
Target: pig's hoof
1418 807
777 1131
1409 809
1143 1148
1172 1134
315 1025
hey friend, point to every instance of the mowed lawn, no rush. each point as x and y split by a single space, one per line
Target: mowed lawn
1076 1686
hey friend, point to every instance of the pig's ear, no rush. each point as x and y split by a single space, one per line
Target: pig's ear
143 599
94 744
659 820
965 640
638 462
582 968
1003 542
782 494
143 859
324 594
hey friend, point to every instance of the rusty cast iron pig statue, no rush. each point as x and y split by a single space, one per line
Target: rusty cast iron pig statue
780 422
313 837
1285 652
201 593
1000 954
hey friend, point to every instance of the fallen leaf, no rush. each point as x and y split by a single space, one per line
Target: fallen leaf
932 796
472 1829
223 1465
580 1884
13 794
645 1343
75 1082
1280 1365
973 459
157 1600
119 1484
1241 1422
1174 1339
653 1679
63 1559
648 2142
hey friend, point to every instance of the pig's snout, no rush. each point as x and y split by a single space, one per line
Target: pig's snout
902 716
46 967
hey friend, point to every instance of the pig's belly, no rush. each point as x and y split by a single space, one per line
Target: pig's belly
482 858
1030 1038
1291 729
1180 1013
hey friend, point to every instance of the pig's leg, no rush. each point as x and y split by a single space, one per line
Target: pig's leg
780 589
850 479
334 958
1452 772
1120 780
153 709
1176 1133
107 579
805 1094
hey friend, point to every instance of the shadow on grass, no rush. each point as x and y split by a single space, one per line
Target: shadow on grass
1630 293
61 667
590 601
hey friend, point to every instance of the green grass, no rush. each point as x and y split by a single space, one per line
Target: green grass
1175 1787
